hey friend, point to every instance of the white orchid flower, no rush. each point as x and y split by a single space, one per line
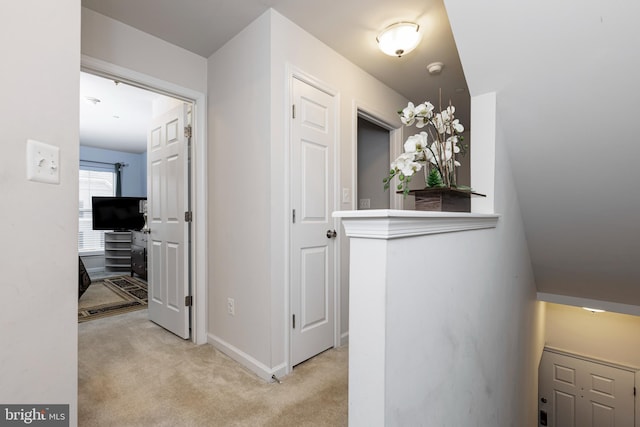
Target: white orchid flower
416 143
406 164
408 114
439 123
457 126
453 140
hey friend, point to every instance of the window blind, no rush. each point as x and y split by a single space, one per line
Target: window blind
92 183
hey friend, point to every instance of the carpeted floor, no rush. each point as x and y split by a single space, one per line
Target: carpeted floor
134 373
111 296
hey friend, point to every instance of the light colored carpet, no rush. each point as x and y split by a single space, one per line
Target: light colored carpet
134 373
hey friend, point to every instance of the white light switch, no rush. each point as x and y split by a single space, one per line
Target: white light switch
346 195
43 162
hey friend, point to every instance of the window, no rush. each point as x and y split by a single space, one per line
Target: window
92 183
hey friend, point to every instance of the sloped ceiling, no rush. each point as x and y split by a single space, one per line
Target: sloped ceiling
567 88
567 91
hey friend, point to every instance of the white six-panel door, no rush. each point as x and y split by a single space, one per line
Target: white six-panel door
167 202
575 392
312 239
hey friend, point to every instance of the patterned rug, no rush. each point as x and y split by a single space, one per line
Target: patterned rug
111 296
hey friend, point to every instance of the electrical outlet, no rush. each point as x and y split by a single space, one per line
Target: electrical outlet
231 306
364 204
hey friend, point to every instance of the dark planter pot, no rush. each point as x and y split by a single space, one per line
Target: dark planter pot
443 199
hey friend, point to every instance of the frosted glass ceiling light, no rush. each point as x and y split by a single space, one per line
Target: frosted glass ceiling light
399 39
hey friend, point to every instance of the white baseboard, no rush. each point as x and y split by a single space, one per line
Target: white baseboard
344 339
257 367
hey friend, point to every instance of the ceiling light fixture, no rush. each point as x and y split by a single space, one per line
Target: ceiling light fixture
399 39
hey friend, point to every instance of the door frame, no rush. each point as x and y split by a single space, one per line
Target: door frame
387 122
292 73
198 190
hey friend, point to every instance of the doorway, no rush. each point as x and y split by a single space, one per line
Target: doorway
577 391
373 165
196 176
313 236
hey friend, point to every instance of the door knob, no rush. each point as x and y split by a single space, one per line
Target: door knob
331 234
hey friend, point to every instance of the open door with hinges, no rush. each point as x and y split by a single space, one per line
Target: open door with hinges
168 221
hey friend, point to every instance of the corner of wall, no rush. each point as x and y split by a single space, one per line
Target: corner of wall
483 164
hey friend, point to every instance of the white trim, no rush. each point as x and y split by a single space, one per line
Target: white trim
344 339
199 176
588 358
615 307
293 72
393 224
257 367
637 398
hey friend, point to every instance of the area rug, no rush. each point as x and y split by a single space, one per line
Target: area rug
111 296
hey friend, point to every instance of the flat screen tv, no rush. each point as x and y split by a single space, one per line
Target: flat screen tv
117 213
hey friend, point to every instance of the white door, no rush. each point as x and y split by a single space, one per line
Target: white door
167 202
574 392
312 227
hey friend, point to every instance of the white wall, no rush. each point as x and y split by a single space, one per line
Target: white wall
248 89
119 44
239 192
607 336
40 44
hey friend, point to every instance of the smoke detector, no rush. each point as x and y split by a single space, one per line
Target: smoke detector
435 68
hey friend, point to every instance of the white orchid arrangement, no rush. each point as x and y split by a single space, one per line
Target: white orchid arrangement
434 148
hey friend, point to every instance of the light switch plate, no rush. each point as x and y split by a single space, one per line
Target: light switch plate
43 162
346 195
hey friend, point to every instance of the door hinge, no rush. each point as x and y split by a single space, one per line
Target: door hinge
634 391
188 301
293 216
294 321
187 131
293 111
188 216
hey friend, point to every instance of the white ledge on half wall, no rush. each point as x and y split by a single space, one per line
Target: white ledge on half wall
393 224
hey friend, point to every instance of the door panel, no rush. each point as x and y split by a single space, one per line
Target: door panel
585 393
168 190
315 288
313 141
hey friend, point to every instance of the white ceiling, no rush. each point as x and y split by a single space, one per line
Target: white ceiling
567 90
118 116
349 27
